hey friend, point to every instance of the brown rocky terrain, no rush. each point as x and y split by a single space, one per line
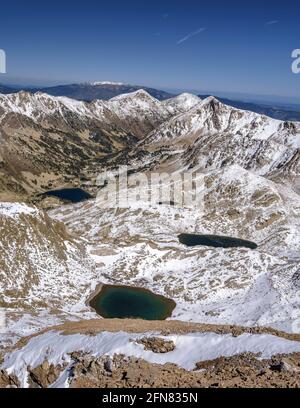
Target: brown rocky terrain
35 157
43 375
8 381
156 344
48 142
240 371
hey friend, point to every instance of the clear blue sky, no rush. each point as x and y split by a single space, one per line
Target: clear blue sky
230 46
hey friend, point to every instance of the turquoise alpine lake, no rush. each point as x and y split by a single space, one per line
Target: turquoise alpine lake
113 301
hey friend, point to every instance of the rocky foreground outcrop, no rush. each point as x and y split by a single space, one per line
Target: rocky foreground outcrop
240 371
8 381
157 345
244 370
133 353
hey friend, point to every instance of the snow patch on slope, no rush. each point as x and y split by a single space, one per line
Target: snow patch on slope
189 349
16 209
182 102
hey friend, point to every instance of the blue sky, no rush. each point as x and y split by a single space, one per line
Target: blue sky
227 46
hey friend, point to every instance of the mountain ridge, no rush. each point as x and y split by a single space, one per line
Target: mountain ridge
245 168
274 112
101 90
46 140
105 90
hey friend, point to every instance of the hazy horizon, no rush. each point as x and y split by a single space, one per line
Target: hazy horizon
247 97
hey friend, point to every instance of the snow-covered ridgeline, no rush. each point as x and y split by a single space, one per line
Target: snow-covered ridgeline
179 120
189 349
38 105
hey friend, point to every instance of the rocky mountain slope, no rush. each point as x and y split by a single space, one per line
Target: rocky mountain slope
39 259
140 246
275 112
248 190
212 135
246 170
106 90
48 141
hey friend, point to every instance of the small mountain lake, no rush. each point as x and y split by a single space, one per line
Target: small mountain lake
216 241
74 195
113 301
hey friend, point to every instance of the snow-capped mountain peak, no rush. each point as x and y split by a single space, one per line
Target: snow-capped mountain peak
182 102
213 134
97 83
140 93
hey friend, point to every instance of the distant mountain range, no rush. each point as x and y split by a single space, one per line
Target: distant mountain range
89 91
100 90
106 90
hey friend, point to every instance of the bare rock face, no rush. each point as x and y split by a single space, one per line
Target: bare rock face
286 364
250 363
244 370
122 372
8 381
157 345
247 370
240 371
43 375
